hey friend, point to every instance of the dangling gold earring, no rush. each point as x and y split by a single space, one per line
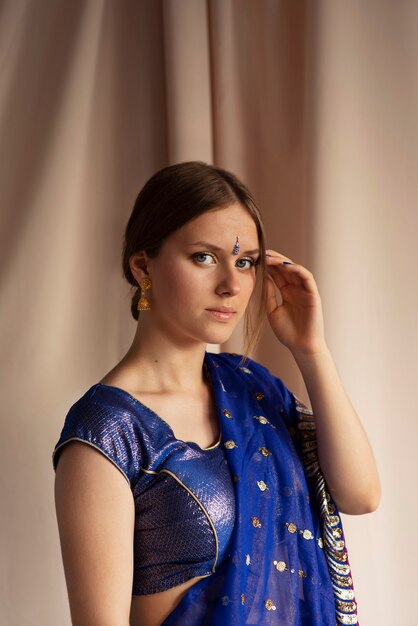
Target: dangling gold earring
143 303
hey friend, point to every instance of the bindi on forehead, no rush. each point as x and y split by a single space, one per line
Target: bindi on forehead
226 229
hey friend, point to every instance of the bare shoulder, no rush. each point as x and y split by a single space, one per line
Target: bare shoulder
121 375
95 513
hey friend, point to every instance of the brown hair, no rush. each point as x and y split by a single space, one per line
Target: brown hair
171 198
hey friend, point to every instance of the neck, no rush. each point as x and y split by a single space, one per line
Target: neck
163 364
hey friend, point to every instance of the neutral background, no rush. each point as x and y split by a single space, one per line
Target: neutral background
315 106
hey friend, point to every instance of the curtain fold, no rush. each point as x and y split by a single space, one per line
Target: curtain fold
188 85
314 106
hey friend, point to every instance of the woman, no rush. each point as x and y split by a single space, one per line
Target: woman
220 501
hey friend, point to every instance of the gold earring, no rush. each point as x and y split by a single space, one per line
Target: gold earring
143 303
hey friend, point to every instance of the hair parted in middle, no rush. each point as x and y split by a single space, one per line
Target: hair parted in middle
172 197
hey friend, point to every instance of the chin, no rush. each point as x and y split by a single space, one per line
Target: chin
218 337
217 333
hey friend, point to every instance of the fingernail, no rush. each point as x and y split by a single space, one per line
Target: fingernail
287 263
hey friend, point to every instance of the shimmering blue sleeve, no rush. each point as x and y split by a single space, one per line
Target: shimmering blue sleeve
109 427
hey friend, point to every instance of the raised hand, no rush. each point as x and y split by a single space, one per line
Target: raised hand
298 321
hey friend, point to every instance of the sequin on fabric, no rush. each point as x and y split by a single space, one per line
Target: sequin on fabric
287 547
285 577
184 495
333 546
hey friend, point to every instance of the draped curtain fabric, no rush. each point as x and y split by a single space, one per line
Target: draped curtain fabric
314 106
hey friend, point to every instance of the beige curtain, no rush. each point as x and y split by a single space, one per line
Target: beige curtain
315 106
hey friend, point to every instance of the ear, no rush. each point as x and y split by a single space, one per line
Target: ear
139 265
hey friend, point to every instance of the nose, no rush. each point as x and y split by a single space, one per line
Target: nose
229 284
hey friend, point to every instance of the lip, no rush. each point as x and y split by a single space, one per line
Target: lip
222 313
222 309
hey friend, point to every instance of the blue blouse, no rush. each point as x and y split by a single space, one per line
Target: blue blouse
184 497
261 529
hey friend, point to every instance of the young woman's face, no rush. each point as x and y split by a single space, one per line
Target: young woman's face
200 289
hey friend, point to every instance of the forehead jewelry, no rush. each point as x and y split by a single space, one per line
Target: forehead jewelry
235 249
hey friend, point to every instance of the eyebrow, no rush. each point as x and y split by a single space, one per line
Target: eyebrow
211 246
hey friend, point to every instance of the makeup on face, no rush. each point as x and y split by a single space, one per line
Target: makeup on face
235 249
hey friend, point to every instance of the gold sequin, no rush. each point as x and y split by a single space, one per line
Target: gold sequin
320 542
342 581
307 426
306 534
347 619
306 436
345 594
331 509
230 444
302 408
261 419
262 485
247 559
242 598
348 607
340 568
269 605
245 370
301 573
227 413
291 527
259 396
280 566
265 452
235 479
256 522
337 532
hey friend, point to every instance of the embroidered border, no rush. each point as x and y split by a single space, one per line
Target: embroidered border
332 531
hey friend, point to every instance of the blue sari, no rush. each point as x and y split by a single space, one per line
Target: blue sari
288 563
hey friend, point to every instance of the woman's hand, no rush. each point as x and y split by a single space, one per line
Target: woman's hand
297 322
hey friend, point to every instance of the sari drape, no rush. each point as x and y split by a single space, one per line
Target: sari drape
288 563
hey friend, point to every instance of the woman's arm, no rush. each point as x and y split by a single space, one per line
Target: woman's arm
95 513
345 455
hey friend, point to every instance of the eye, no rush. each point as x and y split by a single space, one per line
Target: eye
204 258
246 263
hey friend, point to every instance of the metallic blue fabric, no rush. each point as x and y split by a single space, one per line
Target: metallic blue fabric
285 562
184 497
288 564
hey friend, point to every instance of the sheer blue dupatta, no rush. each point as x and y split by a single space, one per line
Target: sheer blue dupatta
288 563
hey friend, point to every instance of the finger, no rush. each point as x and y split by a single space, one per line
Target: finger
276 260
300 276
271 298
280 279
285 272
272 256
293 274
